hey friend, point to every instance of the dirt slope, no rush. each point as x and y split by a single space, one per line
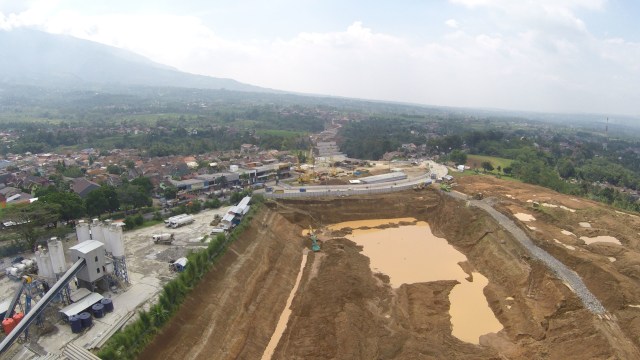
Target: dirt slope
342 310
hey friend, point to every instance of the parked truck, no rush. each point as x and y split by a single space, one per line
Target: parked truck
185 220
167 222
164 238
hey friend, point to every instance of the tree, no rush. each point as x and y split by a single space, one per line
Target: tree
31 219
170 192
114 169
144 183
487 166
71 205
458 157
565 168
133 195
102 200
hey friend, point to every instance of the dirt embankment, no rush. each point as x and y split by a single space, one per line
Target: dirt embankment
231 314
342 310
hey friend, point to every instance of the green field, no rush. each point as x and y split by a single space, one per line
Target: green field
474 161
280 133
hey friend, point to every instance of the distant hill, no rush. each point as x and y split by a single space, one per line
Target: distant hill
31 57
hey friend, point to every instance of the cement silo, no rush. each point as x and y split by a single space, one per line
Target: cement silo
117 240
56 253
97 232
105 236
45 269
82 231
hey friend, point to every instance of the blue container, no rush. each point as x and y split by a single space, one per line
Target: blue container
85 319
76 324
98 310
108 305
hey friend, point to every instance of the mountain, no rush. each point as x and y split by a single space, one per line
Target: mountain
31 57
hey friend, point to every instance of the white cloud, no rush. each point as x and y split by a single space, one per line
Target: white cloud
452 23
542 57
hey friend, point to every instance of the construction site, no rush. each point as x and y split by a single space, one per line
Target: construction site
420 274
66 300
484 269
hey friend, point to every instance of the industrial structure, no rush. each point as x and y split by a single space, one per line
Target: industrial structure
99 263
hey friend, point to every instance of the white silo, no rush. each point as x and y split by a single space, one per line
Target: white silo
43 260
82 231
56 253
117 241
106 232
97 232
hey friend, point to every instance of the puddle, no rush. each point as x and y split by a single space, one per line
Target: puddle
524 217
567 232
284 317
584 224
602 238
369 223
419 256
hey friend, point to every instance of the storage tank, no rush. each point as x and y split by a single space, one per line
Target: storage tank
117 242
97 232
98 310
85 319
8 325
56 253
108 235
76 324
82 231
108 304
17 317
44 264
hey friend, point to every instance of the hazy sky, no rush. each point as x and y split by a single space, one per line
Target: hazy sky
540 55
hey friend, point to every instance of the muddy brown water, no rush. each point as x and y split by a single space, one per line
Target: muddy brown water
412 254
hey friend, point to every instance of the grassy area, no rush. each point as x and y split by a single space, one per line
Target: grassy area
280 133
474 161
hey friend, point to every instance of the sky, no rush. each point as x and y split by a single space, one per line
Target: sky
579 56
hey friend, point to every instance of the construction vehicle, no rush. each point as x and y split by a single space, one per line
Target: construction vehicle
315 246
168 221
185 220
216 220
179 265
164 238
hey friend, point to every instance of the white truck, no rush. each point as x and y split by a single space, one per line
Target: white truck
167 222
164 238
185 220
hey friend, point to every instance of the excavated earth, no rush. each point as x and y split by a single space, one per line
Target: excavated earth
344 310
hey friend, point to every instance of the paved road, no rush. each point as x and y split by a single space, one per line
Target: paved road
355 189
570 277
